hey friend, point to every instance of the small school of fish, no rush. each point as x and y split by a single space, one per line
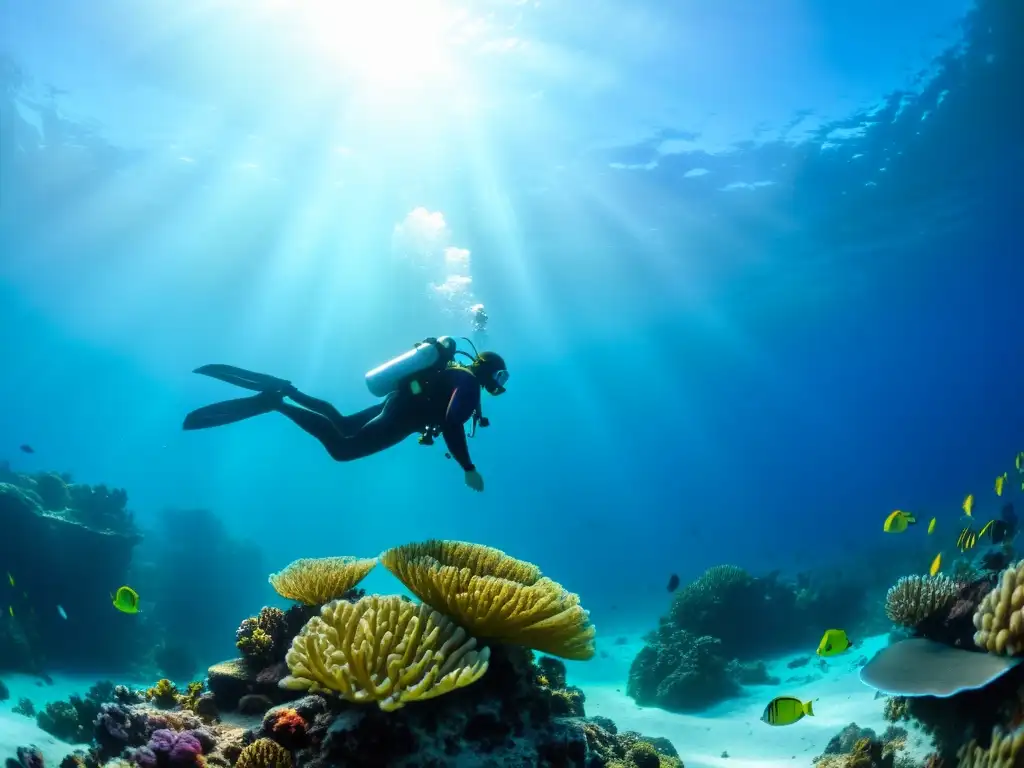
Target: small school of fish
899 521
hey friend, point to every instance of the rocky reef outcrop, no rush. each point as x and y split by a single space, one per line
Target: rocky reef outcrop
720 626
64 546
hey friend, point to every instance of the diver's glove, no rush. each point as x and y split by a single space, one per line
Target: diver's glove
475 480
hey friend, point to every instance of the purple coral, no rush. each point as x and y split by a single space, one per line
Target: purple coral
180 748
144 757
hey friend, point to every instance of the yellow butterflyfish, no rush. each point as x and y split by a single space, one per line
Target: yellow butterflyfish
126 600
931 526
936 564
999 484
969 504
898 521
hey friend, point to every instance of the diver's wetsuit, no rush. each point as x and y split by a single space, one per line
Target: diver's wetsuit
449 403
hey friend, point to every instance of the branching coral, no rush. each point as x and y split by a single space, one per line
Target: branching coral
164 694
383 649
264 753
263 639
495 596
318 580
915 599
1000 616
190 698
896 709
1005 751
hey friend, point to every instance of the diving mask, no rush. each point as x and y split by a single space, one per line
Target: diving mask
499 379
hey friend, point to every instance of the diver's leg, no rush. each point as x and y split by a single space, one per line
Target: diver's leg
393 422
347 425
396 421
320 427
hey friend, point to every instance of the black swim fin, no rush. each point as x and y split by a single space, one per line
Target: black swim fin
258 382
230 411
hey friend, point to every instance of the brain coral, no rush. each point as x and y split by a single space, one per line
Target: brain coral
383 649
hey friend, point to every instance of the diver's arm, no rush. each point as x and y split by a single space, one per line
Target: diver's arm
455 440
460 408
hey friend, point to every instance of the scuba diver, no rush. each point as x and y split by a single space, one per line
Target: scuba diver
423 390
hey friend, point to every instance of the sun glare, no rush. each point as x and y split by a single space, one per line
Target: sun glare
380 43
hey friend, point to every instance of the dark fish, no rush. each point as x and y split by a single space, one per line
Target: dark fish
26 448
673 583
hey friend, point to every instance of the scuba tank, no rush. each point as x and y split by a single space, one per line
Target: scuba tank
429 353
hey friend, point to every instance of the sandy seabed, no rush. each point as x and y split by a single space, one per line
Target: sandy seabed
730 735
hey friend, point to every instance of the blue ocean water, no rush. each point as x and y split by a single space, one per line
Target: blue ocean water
756 272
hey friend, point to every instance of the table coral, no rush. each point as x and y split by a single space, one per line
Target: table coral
495 596
319 580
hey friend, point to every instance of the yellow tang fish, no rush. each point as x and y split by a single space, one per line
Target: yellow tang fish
931 526
833 643
898 521
936 564
999 484
10 578
10 610
967 539
969 504
126 600
786 710
1020 461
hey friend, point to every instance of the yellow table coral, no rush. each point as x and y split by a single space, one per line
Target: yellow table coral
383 649
495 596
318 580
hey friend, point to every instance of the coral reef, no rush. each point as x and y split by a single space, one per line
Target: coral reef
72 720
495 596
383 649
152 738
506 718
978 691
319 580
